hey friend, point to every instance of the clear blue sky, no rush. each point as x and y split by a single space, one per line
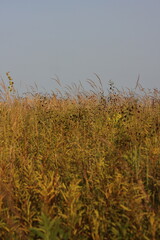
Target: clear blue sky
117 39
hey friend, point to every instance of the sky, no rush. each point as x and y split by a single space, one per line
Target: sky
71 39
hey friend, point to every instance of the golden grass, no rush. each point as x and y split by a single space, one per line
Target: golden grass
80 167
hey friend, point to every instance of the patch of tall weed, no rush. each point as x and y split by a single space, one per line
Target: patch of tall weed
77 164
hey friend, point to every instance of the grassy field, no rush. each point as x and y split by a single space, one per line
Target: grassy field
80 167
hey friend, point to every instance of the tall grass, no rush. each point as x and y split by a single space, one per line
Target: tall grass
80 166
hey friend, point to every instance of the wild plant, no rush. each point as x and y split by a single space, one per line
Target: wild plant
80 164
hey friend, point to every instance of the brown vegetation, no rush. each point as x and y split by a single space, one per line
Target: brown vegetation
84 166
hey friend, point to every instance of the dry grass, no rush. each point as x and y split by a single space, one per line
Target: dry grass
84 166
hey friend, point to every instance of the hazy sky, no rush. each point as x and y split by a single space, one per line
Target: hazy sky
117 39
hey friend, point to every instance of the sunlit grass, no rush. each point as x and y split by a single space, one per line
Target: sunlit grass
80 166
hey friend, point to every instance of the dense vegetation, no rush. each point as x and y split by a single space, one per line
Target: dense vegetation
82 167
